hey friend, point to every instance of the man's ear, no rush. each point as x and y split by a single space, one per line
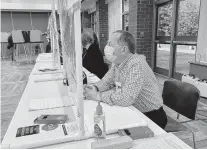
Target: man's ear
124 49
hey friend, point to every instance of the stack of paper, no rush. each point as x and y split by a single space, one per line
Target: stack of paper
165 141
44 58
50 103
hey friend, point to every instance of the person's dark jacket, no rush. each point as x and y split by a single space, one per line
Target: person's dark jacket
93 61
10 42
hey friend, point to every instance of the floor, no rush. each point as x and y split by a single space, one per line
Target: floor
13 82
14 79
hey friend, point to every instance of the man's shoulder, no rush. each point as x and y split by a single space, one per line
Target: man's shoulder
137 59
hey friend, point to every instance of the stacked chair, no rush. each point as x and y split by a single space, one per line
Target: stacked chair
4 40
29 40
36 38
21 37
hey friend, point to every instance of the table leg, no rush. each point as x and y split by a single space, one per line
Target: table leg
30 52
25 52
3 52
42 48
17 55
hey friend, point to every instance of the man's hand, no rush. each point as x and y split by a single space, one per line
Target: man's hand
90 92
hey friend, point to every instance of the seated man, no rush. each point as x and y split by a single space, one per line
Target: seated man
130 80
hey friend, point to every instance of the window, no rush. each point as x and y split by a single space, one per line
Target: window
125 14
176 36
125 5
184 54
126 22
188 17
164 20
163 55
162 58
93 21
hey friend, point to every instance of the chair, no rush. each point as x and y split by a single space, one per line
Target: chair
182 97
36 38
4 40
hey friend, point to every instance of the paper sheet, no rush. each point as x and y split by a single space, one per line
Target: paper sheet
44 58
50 103
165 141
47 69
116 117
50 77
91 78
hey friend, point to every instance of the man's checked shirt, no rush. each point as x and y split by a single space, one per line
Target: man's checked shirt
139 86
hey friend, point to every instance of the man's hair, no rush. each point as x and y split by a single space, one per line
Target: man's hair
126 39
87 37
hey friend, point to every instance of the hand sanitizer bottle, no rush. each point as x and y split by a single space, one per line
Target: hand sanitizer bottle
99 121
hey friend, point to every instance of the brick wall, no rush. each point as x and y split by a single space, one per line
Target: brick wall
86 20
102 23
141 20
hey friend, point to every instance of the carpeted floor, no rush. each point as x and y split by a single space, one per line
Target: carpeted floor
13 82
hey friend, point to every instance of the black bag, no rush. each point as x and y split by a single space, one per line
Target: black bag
10 42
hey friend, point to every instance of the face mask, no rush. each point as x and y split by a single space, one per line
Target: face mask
109 53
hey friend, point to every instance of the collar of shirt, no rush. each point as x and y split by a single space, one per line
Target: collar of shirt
124 62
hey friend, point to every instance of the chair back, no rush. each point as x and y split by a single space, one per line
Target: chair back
17 36
181 97
35 36
4 37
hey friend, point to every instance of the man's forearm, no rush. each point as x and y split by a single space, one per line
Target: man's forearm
106 96
106 82
103 86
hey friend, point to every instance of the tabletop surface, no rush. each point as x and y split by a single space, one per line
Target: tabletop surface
41 90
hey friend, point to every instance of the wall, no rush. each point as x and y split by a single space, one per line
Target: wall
101 22
22 22
140 21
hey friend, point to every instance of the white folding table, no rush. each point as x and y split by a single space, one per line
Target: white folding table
22 117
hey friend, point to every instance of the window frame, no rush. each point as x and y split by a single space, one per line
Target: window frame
93 21
173 40
123 14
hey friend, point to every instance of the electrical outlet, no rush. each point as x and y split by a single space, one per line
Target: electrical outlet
141 35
